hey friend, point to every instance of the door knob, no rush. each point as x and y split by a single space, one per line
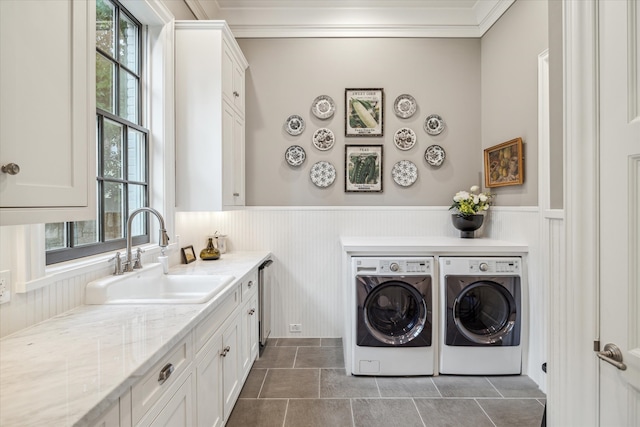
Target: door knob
612 354
11 169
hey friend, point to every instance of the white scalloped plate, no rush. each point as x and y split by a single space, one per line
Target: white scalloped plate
323 174
404 173
295 155
294 125
323 139
323 107
404 138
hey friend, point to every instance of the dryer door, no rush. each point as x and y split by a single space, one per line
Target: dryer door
485 312
395 312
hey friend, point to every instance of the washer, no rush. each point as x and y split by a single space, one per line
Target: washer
481 320
392 318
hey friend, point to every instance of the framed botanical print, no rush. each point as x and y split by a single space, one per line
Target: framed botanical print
364 112
363 168
503 164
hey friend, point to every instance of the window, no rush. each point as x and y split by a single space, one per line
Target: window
122 143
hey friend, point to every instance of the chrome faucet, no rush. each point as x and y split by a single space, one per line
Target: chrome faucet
163 242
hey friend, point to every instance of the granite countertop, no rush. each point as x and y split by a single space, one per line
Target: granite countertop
69 369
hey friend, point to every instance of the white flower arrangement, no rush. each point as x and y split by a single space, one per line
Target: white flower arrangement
471 202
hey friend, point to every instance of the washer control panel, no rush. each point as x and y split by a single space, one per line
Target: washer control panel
509 265
403 266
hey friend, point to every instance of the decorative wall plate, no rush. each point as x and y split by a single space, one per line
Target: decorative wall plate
294 125
323 139
404 173
295 155
323 107
323 174
404 106
434 155
434 125
404 138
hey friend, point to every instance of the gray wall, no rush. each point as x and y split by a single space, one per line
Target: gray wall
509 96
284 77
485 89
556 129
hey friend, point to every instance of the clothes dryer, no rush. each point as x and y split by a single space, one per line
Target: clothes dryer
392 318
481 322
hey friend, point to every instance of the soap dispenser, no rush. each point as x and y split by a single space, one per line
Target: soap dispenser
210 252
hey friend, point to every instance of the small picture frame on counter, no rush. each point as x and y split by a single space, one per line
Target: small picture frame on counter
188 254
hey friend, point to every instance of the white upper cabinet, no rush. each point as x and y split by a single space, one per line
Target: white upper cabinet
47 111
210 117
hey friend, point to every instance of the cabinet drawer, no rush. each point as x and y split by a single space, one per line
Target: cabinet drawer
210 325
160 378
249 287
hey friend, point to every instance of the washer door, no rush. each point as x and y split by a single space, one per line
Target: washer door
395 312
484 312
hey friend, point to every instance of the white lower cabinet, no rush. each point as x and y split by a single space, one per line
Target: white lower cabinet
177 411
186 390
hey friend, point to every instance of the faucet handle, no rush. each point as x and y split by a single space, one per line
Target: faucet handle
137 261
117 264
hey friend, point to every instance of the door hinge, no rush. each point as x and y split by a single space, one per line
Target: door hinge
596 345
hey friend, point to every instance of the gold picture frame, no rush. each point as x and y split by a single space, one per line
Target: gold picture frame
188 254
504 164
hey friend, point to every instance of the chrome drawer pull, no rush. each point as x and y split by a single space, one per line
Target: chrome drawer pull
165 373
252 311
225 351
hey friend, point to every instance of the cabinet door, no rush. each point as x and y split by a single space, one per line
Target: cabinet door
249 334
209 385
178 412
231 364
233 153
111 418
238 88
47 110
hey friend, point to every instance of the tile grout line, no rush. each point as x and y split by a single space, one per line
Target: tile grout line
496 389
262 384
415 405
436 386
485 412
286 409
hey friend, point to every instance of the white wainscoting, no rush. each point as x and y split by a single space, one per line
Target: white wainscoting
305 243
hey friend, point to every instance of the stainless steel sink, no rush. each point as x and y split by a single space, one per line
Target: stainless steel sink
150 286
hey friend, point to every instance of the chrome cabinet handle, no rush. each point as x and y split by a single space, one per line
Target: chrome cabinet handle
11 169
612 354
252 311
250 284
236 194
224 352
235 93
165 373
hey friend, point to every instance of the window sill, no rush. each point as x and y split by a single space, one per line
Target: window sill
66 270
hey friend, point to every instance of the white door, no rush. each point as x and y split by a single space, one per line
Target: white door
619 179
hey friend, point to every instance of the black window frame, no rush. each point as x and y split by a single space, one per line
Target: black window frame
72 251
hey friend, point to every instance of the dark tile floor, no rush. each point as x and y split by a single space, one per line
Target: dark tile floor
301 382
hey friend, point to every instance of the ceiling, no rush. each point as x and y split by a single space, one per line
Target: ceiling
353 18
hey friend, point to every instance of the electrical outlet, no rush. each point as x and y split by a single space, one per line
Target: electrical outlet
295 327
5 286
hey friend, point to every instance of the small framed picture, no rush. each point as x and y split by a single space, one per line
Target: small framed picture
363 168
503 164
188 255
364 112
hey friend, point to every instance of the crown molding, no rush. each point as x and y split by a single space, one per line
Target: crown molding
407 18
